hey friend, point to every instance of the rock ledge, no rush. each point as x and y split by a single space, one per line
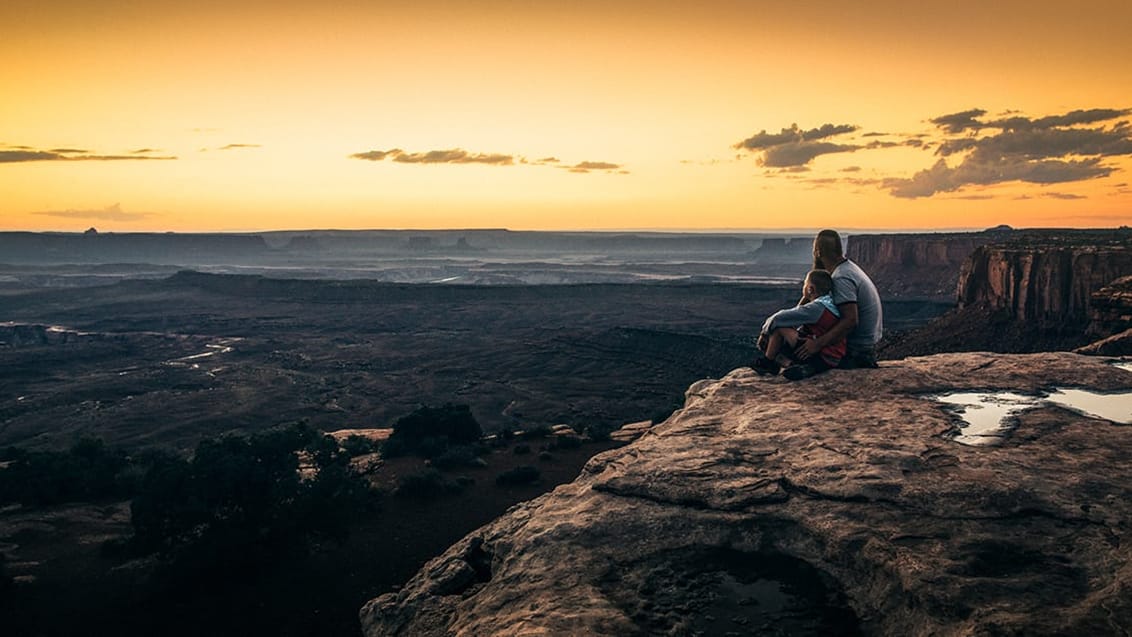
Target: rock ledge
842 496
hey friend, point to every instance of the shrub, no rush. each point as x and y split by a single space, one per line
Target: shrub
521 449
599 432
567 442
87 471
393 448
524 474
239 503
462 456
540 431
546 456
426 485
450 424
356 445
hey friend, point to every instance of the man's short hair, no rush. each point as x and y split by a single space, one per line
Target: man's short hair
821 280
829 244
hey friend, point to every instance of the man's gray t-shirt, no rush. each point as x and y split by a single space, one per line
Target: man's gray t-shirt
852 285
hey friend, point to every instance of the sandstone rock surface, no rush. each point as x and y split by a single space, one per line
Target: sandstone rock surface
835 505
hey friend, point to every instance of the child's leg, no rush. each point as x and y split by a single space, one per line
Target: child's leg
788 335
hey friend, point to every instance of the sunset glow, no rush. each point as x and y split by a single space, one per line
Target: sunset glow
204 116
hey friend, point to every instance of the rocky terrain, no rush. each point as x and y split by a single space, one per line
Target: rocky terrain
758 507
1110 319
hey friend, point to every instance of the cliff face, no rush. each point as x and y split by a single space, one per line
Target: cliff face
760 507
1042 283
915 265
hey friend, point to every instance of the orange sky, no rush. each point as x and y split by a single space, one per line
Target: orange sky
161 115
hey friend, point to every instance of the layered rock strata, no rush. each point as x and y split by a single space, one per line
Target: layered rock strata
836 505
915 265
1042 284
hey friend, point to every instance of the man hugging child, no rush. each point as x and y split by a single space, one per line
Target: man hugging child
781 333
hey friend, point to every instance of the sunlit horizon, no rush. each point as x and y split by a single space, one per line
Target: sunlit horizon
600 116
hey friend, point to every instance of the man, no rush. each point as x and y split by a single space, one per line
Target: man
854 294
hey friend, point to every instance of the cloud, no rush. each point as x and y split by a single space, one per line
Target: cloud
800 153
1062 195
587 166
764 140
143 151
1045 150
12 156
25 154
796 147
376 155
452 156
236 146
110 213
943 178
961 121
461 156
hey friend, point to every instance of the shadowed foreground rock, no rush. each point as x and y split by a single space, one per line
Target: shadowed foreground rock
836 505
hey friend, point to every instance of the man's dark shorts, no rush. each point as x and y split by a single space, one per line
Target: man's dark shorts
859 357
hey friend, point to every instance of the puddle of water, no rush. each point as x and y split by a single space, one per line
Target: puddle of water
1114 407
988 416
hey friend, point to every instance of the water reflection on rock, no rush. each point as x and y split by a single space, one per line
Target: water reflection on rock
988 417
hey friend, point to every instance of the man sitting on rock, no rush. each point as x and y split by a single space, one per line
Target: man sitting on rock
861 320
785 330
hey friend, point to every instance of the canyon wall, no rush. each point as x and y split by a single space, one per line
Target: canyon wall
916 265
1045 279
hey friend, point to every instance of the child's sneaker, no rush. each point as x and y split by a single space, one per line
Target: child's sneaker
763 366
803 370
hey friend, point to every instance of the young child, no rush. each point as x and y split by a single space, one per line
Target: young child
814 316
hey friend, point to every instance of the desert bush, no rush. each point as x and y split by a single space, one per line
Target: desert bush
428 431
427 484
239 502
458 457
356 445
393 448
87 471
600 432
567 442
524 474
536 432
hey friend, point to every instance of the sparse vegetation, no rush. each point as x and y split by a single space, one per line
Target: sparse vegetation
599 432
536 432
429 431
462 456
356 445
87 471
428 484
524 474
242 501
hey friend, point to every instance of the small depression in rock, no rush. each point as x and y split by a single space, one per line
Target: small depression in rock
988 417
712 591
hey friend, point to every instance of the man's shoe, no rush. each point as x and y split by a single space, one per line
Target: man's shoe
802 370
763 366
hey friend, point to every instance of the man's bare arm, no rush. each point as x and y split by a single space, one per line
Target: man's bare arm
844 325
